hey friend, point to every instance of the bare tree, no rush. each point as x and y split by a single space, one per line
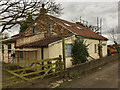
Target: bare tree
5 35
113 32
13 12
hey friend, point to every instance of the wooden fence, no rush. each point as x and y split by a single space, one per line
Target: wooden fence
34 70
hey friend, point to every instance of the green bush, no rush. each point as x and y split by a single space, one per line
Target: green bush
108 52
79 51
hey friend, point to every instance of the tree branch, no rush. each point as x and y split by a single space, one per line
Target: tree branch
16 11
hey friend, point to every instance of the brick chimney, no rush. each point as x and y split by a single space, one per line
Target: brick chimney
42 10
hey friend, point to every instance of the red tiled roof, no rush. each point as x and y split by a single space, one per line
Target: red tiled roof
85 32
43 42
72 27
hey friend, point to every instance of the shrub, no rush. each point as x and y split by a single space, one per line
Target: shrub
108 52
79 51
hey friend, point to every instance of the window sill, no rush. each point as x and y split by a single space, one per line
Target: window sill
68 56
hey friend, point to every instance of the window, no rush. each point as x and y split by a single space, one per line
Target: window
50 28
68 48
21 54
103 44
33 30
95 48
9 47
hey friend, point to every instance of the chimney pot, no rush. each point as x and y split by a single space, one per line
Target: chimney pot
42 10
43 5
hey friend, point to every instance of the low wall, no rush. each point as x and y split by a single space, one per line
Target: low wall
87 66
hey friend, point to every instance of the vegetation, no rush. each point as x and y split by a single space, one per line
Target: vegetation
108 52
79 51
24 25
113 34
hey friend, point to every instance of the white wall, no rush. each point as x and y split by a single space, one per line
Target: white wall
25 40
91 47
104 48
55 49
6 52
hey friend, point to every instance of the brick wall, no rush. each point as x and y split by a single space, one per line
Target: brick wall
43 25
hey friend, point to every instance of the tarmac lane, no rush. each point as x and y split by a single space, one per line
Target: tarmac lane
104 77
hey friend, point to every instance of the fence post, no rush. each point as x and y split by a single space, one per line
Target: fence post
25 58
36 59
63 46
60 65
8 57
3 57
18 59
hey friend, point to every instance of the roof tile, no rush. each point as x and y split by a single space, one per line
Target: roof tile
75 28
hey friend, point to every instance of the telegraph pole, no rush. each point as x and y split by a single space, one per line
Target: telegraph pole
80 19
97 23
100 25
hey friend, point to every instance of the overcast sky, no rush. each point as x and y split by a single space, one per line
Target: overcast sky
89 11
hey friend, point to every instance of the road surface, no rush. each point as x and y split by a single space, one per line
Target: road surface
104 77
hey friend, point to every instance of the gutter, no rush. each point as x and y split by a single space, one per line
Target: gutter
91 38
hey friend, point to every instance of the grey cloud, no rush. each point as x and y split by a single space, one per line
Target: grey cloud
108 11
89 11
118 38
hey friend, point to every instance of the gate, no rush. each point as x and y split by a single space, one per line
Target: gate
34 70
